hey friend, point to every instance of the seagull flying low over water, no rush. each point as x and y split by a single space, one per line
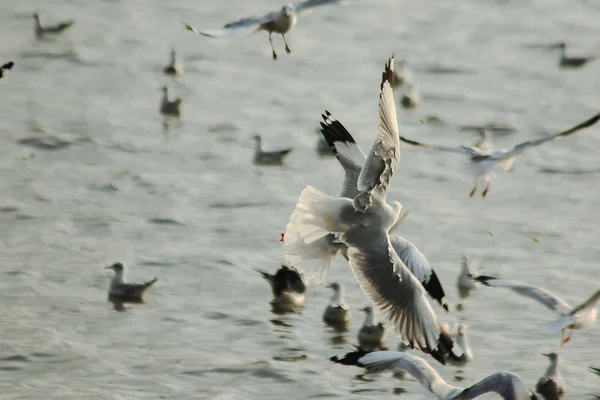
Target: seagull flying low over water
571 318
5 68
363 225
41 31
551 385
506 384
274 22
126 292
572 62
288 289
485 164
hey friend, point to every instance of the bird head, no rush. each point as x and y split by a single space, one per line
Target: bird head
367 310
462 329
334 286
552 356
117 267
287 10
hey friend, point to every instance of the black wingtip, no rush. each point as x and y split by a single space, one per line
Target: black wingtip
351 358
333 131
434 287
388 73
484 279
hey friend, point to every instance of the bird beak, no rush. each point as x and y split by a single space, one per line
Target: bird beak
363 310
546 354
328 286
108 267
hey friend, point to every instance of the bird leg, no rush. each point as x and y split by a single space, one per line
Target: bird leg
473 191
272 48
287 48
565 340
485 191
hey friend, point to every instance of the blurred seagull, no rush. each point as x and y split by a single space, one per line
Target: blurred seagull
571 318
288 289
126 292
168 107
551 385
462 341
41 31
572 62
411 98
275 157
485 164
337 312
465 283
371 335
363 224
506 384
274 22
5 68
174 68
402 74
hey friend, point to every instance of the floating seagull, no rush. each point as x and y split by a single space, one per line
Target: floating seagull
314 259
168 107
364 224
461 340
571 318
371 336
121 291
506 384
402 74
485 164
410 98
551 385
276 157
5 68
465 283
174 68
41 31
274 22
572 62
337 312
288 289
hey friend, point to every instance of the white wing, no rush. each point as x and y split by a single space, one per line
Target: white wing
588 304
306 6
244 26
385 153
380 361
384 278
532 143
540 295
468 151
347 152
420 267
506 384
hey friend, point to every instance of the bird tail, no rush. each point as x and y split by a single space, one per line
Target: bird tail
560 323
268 277
150 283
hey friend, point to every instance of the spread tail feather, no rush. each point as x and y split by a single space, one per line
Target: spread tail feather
312 259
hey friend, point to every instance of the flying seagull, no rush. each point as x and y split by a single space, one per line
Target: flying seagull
274 22
41 31
571 318
314 259
506 384
288 289
5 68
121 291
364 224
485 164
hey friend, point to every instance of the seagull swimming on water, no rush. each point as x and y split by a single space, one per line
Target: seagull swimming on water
572 62
371 335
464 282
506 384
5 68
41 31
363 225
337 312
288 289
551 385
485 164
571 318
173 68
170 107
314 259
274 22
126 292
274 157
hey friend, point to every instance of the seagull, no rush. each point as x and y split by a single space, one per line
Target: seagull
485 164
274 22
551 385
168 107
571 318
276 157
288 289
465 283
174 68
41 31
506 384
402 74
410 98
337 312
484 143
121 291
370 336
461 340
5 68
314 259
572 62
364 223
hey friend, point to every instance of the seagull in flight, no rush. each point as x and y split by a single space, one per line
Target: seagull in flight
363 224
506 384
281 22
485 163
571 318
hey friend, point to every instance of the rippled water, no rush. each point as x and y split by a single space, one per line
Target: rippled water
91 176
